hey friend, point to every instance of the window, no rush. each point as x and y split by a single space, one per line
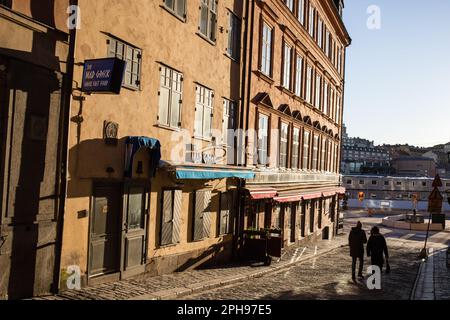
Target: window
318 92
306 148
225 214
171 217
399 183
374 182
349 181
311 21
234 33
301 11
325 98
338 109
315 159
295 148
263 139
309 75
339 59
170 97
284 132
320 33
299 76
327 43
361 182
178 7
331 159
229 128
208 19
424 184
276 217
133 58
266 50
332 102
323 154
290 4
287 66
203 112
202 215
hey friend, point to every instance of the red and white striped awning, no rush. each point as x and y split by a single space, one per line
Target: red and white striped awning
305 194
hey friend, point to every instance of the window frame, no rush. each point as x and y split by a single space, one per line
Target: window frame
306 150
170 96
234 40
173 10
203 106
315 152
299 75
265 63
210 33
283 160
288 50
267 135
136 56
295 149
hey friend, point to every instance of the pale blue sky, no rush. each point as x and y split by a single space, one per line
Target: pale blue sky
398 77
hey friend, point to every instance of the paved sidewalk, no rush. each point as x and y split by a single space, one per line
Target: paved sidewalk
433 280
177 285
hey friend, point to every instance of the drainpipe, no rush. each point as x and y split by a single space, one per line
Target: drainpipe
63 154
249 83
243 116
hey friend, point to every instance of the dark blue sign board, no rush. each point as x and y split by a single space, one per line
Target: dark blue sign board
103 75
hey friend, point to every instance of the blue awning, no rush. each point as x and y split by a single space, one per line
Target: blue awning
196 173
133 145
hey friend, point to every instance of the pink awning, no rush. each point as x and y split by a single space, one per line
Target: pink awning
263 193
293 198
299 195
341 190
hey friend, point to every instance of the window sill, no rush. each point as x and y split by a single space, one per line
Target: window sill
287 91
202 139
236 60
161 126
166 246
131 88
264 77
182 19
201 35
298 98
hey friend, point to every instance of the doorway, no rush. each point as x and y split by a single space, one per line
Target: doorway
311 216
105 233
320 214
134 233
303 220
293 223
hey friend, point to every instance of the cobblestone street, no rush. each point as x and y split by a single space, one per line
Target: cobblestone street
303 273
326 277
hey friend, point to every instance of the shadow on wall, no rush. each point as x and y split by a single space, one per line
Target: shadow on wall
33 176
93 159
211 257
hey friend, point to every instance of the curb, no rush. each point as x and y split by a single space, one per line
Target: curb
196 288
416 282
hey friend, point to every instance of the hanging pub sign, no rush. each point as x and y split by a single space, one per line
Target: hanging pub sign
103 75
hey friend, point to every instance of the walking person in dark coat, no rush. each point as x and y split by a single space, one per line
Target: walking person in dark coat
356 240
376 247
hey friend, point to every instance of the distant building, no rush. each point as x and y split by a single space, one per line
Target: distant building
431 155
391 189
415 167
361 156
